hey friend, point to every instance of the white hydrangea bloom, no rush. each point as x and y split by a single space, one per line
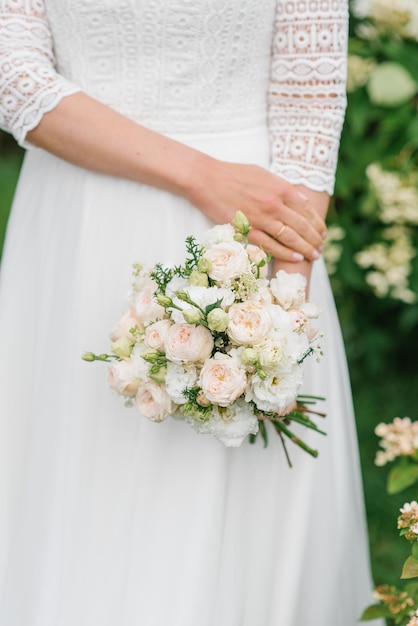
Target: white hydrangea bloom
177 379
230 425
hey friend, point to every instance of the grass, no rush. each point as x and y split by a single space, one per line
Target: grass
9 171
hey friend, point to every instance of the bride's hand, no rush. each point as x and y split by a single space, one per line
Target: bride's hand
283 220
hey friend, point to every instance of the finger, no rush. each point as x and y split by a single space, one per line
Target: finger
292 240
298 224
300 203
273 247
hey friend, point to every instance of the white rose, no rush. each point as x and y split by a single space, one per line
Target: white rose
249 322
146 307
156 333
229 260
289 290
223 379
218 234
257 255
277 391
177 379
270 353
122 377
186 343
122 329
153 402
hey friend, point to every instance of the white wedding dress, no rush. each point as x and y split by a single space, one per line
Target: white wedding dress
107 519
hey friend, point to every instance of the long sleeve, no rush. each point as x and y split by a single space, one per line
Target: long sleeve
29 83
307 97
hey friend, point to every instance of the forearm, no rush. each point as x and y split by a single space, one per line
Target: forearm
89 134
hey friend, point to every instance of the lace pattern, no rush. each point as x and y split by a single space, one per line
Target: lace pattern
187 66
29 85
307 96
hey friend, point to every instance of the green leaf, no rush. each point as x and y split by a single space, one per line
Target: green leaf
375 611
415 550
402 477
410 568
412 589
263 432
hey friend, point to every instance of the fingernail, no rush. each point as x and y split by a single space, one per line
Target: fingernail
324 234
297 257
315 255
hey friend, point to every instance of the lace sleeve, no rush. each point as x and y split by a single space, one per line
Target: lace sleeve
307 96
29 84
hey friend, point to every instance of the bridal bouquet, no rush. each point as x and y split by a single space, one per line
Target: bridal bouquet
216 344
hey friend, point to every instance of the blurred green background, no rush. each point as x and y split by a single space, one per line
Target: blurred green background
371 252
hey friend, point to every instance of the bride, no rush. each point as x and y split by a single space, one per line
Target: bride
146 121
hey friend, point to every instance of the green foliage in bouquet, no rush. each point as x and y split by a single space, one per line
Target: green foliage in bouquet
373 237
399 443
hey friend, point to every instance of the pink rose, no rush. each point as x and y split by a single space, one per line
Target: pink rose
122 329
257 255
229 260
146 307
156 333
153 402
249 322
122 378
186 343
223 379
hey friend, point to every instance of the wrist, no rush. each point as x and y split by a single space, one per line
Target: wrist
196 176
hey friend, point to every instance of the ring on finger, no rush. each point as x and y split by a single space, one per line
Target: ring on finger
280 232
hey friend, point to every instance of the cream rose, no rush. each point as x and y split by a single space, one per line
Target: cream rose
153 402
122 329
257 255
249 322
229 260
146 307
122 378
186 343
223 379
156 333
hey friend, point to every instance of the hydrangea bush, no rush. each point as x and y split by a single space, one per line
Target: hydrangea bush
372 247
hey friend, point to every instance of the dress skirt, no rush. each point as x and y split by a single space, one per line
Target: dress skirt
108 519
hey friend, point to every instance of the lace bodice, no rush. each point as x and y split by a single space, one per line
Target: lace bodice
186 66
